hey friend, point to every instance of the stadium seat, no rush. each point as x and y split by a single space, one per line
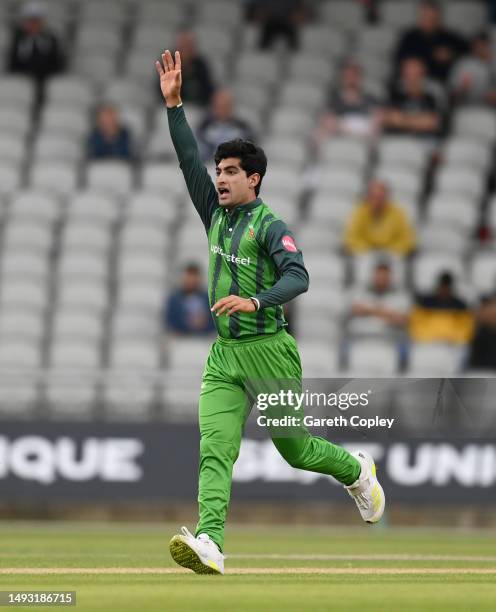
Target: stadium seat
331 210
16 92
127 398
376 40
49 147
86 235
427 268
95 66
340 151
322 41
467 152
98 37
285 151
318 360
328 268
432 360
478 123
188 354
10 177
141 296
20 353
135 324
126 91
343 15
162 179
342 182
248 68
297 94
439 237
64 119
19 398
151 207
71 324
402 150
15 121
483 272
452 211
372 358
398 14
221 12
54 177
86 294
19 263
306 68
143 236
75 354
152 12
363 267
28 234
136 122
83 265
16 323
460 181
12 149
401 179
153 36
292 123
70 91
71 396
319 238
110 12
98 207
33 205
214 38
141 265
112 177
282 180
466 17
159 144
135 354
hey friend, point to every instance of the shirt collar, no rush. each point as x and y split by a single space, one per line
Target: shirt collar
247 206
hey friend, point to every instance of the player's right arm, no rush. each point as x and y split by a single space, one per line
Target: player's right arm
200 186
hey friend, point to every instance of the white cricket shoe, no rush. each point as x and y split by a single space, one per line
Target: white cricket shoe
201 554
366 491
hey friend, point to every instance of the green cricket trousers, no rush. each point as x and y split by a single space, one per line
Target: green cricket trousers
224 408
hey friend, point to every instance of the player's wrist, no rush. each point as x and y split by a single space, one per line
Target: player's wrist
255 303
173 102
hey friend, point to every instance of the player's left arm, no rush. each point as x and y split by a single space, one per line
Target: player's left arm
279 244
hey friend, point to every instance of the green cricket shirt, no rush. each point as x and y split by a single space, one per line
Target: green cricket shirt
252 253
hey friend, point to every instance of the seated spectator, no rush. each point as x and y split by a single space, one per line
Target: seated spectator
34 49
221 124
351 111
483 347
278 19
377 223
437 46
441 316
109 139
412 109
473 78
197 85
380 309
187 310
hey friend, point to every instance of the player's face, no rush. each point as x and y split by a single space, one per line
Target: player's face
233 185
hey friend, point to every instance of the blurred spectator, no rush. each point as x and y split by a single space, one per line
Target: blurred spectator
380 224
429 41
351 110
412 109
441 316
380 308
221 124
473 78
187 310
197 85
278 19
483 347
109 138
34 48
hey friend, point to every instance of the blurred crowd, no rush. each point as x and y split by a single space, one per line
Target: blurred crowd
434 71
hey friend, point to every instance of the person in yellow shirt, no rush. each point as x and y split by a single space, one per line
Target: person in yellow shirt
377 223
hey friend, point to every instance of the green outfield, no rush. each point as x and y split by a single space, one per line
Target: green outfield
126 567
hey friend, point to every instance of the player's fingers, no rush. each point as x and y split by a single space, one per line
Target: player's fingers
227 303
164 62
159 68
177 56
221 302
234 309
170 61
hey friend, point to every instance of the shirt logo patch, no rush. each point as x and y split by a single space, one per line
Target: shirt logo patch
251 233
289 244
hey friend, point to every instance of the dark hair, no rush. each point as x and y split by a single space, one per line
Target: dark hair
192 267
252 159
446 279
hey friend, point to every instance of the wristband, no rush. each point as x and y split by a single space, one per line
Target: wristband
255 302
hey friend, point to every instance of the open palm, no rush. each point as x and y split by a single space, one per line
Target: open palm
170 77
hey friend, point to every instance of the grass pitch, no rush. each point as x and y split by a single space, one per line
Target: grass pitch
127 567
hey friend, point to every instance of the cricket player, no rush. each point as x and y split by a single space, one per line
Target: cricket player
254 268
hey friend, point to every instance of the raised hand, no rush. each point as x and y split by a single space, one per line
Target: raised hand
170 77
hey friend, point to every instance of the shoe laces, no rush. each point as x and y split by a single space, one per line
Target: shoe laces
360 498
187 532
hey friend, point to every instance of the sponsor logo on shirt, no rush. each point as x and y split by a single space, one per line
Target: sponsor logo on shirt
251 233
289 244
242 261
